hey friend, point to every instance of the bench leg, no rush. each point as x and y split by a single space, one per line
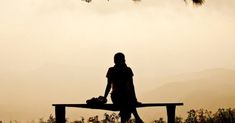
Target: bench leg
60 114
171 113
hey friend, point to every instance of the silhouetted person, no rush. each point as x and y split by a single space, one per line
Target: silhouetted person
123 91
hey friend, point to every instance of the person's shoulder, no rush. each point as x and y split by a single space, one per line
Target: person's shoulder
129 68
110 72
111 68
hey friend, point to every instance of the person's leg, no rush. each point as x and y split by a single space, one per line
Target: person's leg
125 115
136 115
123 119
121 103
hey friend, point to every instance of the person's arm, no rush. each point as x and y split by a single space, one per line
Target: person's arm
108 88
132 88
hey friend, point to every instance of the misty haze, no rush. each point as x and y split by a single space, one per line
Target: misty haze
58 51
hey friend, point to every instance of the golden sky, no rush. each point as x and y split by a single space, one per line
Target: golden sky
48 38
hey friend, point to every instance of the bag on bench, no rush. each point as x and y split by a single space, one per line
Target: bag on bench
96 101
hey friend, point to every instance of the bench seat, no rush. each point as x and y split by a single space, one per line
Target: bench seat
60 109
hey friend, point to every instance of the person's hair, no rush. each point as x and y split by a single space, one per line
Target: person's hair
119 58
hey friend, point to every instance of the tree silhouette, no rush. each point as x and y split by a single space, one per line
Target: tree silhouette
196 2
178 119
94 119
160 120
224 116
194 116
51 119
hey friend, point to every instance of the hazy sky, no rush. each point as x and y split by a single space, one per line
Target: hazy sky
159 38
164 36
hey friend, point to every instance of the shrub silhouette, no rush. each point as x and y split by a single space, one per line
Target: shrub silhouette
194 116
224 116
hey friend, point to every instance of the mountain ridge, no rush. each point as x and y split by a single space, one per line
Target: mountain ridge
209 89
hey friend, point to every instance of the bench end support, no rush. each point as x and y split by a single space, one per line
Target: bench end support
60 114
171 113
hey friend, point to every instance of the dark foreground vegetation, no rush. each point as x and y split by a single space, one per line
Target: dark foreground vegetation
194 116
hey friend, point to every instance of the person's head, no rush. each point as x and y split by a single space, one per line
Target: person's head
119 58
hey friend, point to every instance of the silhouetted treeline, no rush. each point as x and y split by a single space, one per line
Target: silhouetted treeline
194 116
197 2
205 116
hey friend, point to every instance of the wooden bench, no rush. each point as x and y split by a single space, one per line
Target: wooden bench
60 109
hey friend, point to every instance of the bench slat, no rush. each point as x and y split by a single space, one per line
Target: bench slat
113 107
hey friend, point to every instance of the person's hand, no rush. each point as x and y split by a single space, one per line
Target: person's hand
102 99
138 103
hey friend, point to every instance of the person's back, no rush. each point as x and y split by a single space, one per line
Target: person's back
120 77
123 93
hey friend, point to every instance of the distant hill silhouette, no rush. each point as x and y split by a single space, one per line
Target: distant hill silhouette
209 89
